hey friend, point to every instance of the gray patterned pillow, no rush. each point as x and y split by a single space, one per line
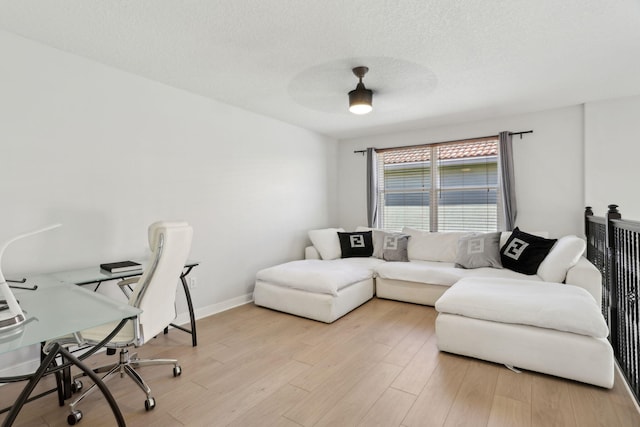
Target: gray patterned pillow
479 250
390 246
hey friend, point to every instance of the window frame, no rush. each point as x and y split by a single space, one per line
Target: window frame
435 189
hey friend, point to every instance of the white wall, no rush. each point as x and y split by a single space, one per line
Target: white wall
548 166
612 150
106 153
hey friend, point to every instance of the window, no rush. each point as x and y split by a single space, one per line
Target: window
440 187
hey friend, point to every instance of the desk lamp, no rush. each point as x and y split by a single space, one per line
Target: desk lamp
11 314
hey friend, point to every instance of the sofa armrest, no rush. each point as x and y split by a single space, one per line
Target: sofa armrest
587 276
310 252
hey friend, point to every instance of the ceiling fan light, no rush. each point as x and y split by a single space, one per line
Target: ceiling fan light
360 109
360 100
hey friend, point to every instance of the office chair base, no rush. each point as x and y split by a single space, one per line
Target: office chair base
76 386
74 418
149 404
126 366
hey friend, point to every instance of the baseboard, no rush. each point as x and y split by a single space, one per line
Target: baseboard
201 312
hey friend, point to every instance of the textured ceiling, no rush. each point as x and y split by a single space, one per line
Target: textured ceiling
431 61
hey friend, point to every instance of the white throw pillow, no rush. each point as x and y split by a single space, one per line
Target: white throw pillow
565 254
378 236
326 242
436 246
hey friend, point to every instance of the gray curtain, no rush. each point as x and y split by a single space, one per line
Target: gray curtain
507 181
372 188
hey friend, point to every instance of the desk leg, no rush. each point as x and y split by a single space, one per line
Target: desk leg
192 315
42 370
63 379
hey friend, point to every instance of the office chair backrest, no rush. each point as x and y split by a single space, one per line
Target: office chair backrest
156 290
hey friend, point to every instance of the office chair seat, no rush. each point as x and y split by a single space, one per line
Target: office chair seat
125 336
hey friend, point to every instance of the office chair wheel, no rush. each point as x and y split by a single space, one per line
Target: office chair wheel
76 386
150 403
74 418
177 370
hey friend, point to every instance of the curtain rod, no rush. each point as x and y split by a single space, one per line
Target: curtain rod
446 142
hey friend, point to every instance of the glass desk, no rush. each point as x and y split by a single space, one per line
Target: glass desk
55 309
95 275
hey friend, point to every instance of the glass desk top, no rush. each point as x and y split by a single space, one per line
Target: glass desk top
56 309
95 274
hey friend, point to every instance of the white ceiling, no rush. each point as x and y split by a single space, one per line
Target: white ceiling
431 61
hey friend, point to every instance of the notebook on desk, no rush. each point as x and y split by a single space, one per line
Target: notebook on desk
121 266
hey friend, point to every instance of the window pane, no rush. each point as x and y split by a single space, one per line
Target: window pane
468 179
468 210
468 173
407 199
406 210
407 177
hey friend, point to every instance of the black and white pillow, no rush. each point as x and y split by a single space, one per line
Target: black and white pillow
356 244
523 252
479 250
391 246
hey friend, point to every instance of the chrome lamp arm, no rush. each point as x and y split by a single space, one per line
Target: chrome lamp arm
14 315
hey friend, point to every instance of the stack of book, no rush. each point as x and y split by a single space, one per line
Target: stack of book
121 267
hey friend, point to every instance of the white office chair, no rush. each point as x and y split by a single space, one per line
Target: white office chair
154 293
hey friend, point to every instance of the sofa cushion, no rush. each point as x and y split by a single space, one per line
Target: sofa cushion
499 273
442 273
431 272
356 244
524 252
436 246
318 276
546 305
479 250
326 242
563 256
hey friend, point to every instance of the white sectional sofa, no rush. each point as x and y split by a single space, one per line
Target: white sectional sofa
325 286
431 269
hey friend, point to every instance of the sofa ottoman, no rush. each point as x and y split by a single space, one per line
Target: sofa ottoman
545 327
316 289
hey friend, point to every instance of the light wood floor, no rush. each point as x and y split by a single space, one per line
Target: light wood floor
377 366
